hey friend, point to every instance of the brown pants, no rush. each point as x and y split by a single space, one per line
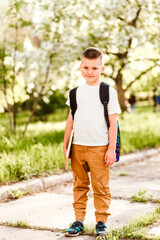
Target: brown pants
85 159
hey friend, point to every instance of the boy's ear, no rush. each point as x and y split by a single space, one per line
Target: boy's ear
103 68
81 66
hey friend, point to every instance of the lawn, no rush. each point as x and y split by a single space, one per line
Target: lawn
140 129
40 151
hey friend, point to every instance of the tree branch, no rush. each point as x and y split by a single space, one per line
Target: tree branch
123 55
109 76
134 20
139 76
113 69
133 24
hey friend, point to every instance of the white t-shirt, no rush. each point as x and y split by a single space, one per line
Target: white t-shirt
90 128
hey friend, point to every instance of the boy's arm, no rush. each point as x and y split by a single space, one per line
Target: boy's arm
110 156
68 128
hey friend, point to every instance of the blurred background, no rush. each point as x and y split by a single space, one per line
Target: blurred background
41 42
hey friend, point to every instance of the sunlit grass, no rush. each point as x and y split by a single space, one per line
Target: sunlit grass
11 143
46 126
34 161
139 130
40 150
57 118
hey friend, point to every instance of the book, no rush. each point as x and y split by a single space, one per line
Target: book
69 147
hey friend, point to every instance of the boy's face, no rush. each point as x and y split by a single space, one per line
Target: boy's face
91 70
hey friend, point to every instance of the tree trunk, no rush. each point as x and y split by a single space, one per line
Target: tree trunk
4 74
121 96
14 116
9 112
29 120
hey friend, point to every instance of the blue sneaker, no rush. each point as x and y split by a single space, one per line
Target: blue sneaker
75 229
101 229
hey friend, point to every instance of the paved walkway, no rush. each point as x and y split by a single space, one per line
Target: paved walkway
53 208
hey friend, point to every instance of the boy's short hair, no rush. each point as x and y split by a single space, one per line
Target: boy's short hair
93 53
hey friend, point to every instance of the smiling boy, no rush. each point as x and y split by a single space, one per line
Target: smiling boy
93 146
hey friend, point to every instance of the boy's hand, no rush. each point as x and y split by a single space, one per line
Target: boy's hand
64 150
110 157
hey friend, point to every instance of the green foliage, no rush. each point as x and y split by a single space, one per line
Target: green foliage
15 194
89 229
142 196
136 228
39 152
10 143
24 224
56 100
19 223
123 174
32 162
138 130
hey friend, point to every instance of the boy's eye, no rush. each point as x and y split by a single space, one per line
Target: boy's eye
92 68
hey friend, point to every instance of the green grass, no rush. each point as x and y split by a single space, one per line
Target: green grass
40 151
10 143
34 161
123 174
142 196
137 228
19 224
139 130
24 224
15 194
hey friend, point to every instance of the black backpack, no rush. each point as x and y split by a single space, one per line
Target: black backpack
104 97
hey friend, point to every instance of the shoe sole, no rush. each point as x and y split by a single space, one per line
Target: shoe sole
72 235
101 236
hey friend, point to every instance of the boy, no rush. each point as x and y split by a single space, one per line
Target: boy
93 147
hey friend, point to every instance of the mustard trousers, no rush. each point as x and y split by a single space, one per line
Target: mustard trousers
87 159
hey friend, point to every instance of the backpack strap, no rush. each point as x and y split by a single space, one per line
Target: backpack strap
104 97
73 102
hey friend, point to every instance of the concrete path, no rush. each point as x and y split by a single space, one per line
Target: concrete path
53 209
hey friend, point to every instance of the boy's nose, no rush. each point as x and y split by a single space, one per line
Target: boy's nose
90 71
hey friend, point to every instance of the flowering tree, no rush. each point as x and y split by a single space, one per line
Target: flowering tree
41 43
128 33
31 59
